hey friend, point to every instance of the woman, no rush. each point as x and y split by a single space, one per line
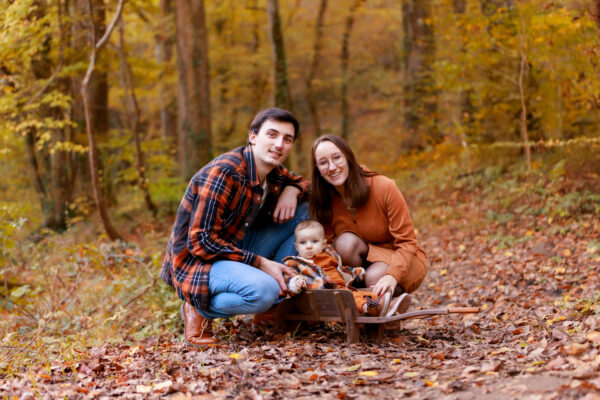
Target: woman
366 216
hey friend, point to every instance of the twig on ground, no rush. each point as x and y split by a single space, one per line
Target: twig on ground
11 355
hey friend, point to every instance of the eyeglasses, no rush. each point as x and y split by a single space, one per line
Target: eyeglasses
337 159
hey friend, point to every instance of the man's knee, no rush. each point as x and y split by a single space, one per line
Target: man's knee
264 295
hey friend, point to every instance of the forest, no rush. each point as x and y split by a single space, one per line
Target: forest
485 112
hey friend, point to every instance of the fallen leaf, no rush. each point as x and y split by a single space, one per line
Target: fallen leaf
353 368
575 348
469 370
500 351
593 336
556 363
143 389
163 385
368 373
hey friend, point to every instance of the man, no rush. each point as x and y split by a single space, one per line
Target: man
238 211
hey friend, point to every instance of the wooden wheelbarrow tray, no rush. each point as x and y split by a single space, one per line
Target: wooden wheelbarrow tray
331 305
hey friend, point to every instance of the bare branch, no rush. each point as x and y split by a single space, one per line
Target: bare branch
111 26
110 230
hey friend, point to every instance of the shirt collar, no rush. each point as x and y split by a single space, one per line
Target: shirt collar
250 166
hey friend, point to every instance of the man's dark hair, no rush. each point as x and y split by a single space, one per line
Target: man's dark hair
275 114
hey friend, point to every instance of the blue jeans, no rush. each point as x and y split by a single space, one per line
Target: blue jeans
237 288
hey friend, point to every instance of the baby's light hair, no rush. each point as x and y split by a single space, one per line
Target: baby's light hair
310 224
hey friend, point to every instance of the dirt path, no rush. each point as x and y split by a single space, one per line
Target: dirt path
537 337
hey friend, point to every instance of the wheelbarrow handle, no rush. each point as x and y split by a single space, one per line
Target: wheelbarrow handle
463 310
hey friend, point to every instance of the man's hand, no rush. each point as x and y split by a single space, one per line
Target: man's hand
276 270
286 205
386 283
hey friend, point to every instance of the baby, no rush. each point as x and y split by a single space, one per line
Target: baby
320 267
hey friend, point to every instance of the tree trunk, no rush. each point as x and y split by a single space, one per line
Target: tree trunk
457 101
93 156
345 58
283 99
489 7
459 6
317 44
51 179
133 116
194 130
258 80
255 28
419 49
164 54
98 98
35 169
60 189
522 72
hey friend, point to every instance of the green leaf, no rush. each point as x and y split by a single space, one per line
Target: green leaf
20 291
559 169
353 368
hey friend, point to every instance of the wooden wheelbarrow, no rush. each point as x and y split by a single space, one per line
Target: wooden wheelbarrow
331 305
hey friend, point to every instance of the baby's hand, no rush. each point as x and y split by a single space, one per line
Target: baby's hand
360 273
296 284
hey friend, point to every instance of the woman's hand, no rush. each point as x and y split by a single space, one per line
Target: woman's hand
386 283
286 205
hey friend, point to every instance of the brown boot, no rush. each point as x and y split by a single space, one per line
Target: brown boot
197 329
267 317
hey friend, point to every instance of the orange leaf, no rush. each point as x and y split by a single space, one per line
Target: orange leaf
593 336
576 348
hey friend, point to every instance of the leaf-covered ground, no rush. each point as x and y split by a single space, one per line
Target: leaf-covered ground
533 274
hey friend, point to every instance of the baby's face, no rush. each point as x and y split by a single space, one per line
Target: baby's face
309 242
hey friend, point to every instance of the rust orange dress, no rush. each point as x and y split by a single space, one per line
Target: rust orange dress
384 223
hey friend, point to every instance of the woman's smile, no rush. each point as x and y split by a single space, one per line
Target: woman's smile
332 164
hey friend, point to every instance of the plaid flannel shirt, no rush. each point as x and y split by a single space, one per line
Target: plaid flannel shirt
221 202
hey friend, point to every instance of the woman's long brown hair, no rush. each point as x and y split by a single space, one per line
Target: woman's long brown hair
355 187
